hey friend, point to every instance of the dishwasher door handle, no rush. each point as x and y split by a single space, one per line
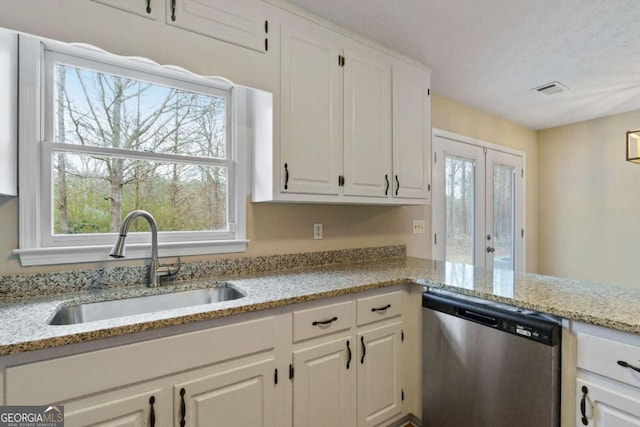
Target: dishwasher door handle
477 317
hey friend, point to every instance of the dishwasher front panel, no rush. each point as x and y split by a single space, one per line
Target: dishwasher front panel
477 376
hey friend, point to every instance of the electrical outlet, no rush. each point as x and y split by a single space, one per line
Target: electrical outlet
317 231
418 226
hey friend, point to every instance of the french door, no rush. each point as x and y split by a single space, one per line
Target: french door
478 204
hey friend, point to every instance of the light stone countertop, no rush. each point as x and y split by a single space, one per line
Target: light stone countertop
25 321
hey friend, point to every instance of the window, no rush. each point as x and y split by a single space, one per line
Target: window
119 134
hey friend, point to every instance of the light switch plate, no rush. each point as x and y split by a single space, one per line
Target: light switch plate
418 226
317 231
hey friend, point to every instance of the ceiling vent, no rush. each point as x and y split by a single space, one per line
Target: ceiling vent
551 88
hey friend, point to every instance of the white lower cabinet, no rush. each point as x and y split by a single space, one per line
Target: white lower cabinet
607 387
242 395
606 406
351 377
126 408
379 383
323 384
332 363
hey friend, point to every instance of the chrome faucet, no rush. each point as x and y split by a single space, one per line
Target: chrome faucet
155 269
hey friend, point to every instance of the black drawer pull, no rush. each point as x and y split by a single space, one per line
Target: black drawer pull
364 350
583 406
381 308
173 10
626 365
324 322
148 6
183 408
348 354
386 190
398 187
152 412
286 176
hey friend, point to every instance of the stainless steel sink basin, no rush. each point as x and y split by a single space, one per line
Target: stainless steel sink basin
90 312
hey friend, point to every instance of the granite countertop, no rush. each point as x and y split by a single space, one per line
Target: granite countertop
25 320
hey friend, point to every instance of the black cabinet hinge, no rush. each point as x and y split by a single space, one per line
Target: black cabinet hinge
290 371
401 335
275 376
428 92
402 395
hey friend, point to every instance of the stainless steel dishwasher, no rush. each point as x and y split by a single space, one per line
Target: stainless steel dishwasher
488 364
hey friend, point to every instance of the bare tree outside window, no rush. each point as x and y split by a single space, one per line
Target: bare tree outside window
93 192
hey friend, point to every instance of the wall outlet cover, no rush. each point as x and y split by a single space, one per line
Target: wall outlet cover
317 231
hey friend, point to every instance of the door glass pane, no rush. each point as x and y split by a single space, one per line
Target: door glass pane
460 209
503 217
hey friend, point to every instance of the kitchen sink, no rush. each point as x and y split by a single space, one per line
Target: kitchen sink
90 312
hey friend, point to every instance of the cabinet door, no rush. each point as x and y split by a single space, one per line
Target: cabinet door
607 406
123 410
311 150
240 396
324 384
367 122
379 387
145 8
411 132
241 22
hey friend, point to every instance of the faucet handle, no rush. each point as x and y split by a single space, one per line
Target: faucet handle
169 269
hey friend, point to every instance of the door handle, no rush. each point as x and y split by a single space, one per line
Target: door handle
583 406
348 355
490 249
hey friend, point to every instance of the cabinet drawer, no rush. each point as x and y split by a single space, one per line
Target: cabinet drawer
601 356
379 307
319 321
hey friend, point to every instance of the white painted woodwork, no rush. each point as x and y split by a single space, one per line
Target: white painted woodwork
8 113
303 327
411 132
372 309
601 355
137 7
241 22
379 374
125 410
367 122
50 380
311 108
613 391
323 387
240 396
335 121
608 406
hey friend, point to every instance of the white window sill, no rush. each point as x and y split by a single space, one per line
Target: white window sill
100 253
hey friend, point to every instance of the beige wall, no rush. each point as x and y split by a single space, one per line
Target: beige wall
590 201
461 119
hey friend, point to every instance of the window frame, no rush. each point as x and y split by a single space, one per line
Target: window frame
38 244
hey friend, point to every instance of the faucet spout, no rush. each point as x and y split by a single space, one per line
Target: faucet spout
155 270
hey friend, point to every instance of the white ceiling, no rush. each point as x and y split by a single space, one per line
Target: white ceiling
489 54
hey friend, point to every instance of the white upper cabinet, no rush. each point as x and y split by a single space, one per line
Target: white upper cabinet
367 122
338 124
8 113
241 22
311 100
411 132
145 8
